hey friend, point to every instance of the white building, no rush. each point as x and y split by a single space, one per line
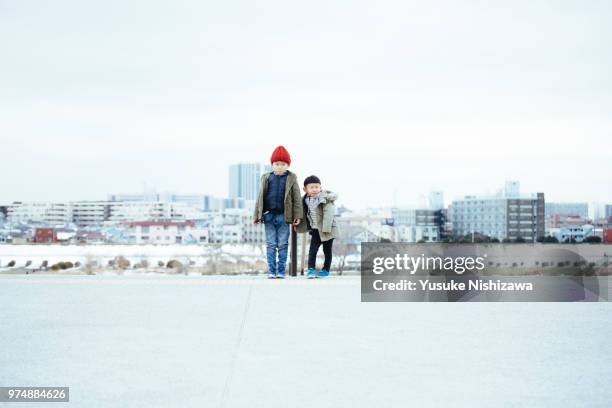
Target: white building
95 213
152 210
414 233
43 212
202 202
86 213
501 218
375 224
234 226
413 225
166 232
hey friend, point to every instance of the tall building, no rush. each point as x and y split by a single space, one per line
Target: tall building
512 189
436 200
596 211
500 217
608 210
244 180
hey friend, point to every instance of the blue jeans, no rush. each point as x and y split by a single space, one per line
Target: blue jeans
277 239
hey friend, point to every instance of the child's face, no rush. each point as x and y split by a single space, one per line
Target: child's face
279 167
312 189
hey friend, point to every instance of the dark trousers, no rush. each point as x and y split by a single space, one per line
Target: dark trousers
315 243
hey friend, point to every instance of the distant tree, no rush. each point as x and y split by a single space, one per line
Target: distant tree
174 264
121 262
495 240
506 240
62 265
342 250
519 240
569 240
592 240
385 240
476 237
464 239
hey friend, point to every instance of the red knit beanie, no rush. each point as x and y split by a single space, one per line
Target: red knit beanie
280 154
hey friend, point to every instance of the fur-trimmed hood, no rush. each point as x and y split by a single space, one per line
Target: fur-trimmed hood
326 196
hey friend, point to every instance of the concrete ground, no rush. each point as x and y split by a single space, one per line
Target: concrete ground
184 341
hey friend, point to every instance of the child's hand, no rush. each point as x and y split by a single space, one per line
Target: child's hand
256 221
296 222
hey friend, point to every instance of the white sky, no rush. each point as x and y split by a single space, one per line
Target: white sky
385 101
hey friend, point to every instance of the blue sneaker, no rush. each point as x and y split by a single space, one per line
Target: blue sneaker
323 273
311 273
280 276
271 275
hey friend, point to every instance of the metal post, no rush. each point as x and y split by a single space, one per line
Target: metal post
303 255
293 269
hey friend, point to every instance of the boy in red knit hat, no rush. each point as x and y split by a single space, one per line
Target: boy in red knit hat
278 205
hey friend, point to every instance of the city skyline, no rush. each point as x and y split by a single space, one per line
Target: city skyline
435 201
430 199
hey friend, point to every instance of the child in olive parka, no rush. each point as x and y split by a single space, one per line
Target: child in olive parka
278 206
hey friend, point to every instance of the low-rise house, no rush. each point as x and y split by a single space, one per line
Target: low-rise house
573 232
90 237
45 235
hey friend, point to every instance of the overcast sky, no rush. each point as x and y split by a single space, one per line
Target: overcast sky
383 100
